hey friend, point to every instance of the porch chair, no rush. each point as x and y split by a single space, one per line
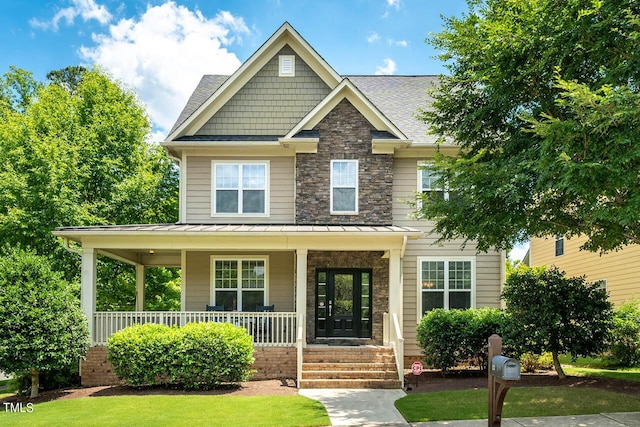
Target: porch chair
263 329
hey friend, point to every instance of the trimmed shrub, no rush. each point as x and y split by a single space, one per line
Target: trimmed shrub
195 356
531 362
451 337
624 347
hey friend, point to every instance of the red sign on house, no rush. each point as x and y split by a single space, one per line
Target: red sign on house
416 368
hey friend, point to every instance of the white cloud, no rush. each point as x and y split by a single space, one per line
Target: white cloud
164 53
388 68
402 43
374 37
394 3
86 9
518 252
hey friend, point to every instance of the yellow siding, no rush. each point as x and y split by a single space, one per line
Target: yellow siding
488 266
280 285
281 191
621 269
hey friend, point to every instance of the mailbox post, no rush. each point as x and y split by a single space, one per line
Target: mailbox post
503 372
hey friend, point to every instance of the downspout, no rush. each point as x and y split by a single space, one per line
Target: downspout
404 247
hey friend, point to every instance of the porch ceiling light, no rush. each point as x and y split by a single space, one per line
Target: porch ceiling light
152 251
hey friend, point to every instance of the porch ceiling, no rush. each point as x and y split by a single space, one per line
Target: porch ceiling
176 237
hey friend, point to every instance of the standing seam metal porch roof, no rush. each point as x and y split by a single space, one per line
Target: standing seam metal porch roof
286 229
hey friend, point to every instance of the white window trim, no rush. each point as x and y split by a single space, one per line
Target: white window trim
238 259
283 58
446 259
267 190
564 248
332 211
421 163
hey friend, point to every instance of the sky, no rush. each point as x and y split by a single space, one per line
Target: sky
161 48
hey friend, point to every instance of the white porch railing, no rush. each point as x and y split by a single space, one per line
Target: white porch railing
276 329
301 342
392 335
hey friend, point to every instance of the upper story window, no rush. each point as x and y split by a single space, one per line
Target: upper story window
428 182
287 65
445 283
344 187
240 188
559 245
602 284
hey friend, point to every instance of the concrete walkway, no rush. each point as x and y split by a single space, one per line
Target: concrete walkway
359 407
600 420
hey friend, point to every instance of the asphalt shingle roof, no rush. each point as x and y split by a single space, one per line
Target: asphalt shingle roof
397 97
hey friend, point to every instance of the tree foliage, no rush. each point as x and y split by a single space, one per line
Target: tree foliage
42 327
76 151
549 312
543 98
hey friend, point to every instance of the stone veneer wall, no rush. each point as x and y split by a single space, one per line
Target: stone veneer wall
270 363
338 259
345 134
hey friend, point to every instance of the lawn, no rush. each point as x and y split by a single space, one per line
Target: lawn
173 410
520 402
596 367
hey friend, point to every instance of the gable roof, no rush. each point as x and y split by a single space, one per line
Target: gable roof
399 98
285 35
346 89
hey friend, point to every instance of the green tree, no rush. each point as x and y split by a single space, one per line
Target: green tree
76 151
41 324
549 312
543 99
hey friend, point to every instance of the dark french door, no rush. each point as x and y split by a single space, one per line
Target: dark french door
343 303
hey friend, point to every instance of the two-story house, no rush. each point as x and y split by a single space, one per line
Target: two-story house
293 181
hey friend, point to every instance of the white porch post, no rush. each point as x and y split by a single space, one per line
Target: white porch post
395 284
88 287
301 281
140 282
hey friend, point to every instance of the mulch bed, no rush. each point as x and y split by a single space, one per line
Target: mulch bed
428 381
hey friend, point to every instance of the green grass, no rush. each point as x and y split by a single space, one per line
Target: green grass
520 402
597 367
183 410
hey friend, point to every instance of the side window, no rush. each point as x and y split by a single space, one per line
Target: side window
602 284
344 186
445 283
429 184
240 188
559 245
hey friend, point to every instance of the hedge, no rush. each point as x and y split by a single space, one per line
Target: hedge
452 337
195 356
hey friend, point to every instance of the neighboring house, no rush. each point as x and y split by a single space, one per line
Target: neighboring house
293 181
617 272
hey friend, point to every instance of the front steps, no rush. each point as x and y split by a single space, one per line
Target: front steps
349 367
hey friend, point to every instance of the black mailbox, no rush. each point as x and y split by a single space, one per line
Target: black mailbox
505 368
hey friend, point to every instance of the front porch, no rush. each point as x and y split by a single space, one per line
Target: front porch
320 281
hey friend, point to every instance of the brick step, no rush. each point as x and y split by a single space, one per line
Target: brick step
355 359
322 366
350 383
355 375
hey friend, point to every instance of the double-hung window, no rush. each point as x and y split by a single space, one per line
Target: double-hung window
429 182
240 188
445 283
559 245
344 187
239 284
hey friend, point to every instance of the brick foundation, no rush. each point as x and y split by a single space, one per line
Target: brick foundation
96 369
270 363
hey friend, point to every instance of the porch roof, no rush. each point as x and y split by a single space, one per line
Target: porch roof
76 233
161 244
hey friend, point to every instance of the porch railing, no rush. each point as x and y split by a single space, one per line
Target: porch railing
392 335
276 329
